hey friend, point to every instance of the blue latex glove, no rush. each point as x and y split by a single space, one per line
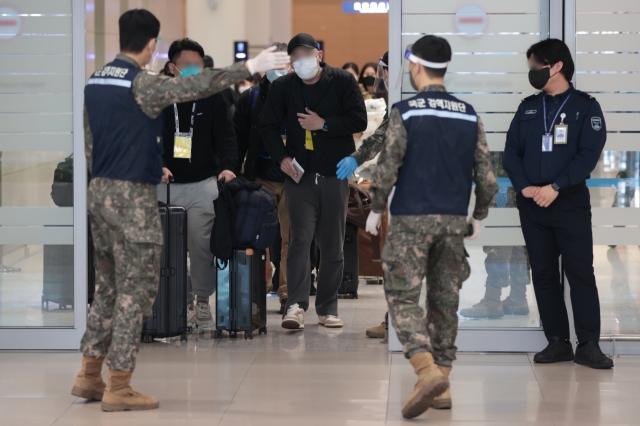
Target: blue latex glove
346 167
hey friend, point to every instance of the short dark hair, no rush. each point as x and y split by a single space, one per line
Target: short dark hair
137 27
178 46
208 61
351 66
550 52
433 49
364 68
280 47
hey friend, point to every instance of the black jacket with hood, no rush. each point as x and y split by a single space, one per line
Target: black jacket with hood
340 104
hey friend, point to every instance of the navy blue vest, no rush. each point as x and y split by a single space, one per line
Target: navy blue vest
437 169
127 143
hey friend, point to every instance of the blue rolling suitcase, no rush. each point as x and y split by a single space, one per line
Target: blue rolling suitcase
241 297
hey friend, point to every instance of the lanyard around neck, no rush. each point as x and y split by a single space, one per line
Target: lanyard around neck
547 130
193 117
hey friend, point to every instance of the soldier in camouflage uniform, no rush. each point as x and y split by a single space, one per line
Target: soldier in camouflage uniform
435 145
123 139
506 266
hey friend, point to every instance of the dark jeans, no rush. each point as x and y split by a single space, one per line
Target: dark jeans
317 206
563 228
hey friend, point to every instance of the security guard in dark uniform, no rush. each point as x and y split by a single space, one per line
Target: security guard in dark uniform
554 142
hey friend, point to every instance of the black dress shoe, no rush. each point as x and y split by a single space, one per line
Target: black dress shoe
556 351
589 354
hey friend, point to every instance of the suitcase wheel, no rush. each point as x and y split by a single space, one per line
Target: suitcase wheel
248 335
183 337
233 334
262 330
217 334
354 294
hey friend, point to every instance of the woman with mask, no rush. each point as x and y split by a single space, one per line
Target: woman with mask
367 77
352 68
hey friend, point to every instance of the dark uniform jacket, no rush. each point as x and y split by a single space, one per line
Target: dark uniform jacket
338 101
566 165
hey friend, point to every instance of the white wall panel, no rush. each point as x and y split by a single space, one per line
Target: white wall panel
20 235
18 123
56 83
608 6
623 121
591 22
608 82
488 63
44 7
21 103
609 62
485 43
623 141
46 25
495 102
452 6
510 83
36 45
54 142
433 24
51 64
608 42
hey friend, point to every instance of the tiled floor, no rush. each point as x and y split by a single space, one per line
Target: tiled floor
318 377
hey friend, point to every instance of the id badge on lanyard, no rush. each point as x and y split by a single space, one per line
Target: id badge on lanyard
560 131
183 142
308 139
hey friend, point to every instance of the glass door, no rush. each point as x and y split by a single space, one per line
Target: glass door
43 298
489 69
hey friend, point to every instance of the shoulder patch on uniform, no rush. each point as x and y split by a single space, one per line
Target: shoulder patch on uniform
596 123
530 97
586 95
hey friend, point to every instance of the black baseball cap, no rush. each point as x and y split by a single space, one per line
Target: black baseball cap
302 39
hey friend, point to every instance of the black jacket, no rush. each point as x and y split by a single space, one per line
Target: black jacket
214 140
247 120
341 105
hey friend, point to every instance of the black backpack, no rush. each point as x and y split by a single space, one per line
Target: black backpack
62 187
246 217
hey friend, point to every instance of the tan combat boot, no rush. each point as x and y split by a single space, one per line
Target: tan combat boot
119 396
89 383
431 383
376 332
443 402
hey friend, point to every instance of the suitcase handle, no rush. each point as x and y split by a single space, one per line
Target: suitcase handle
171 179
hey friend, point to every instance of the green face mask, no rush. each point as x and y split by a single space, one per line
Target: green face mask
189 71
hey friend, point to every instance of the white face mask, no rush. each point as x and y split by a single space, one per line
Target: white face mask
306 68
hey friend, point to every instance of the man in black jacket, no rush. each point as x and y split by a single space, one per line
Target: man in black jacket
255 164
323 108
207 124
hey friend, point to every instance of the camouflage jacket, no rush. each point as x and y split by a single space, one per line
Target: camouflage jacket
391 159
154 92
372 145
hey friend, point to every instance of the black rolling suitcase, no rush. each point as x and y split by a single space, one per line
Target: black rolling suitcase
350 276
169 311
241 299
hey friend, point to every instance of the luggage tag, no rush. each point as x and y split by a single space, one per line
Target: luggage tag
561 131
182 146
547 143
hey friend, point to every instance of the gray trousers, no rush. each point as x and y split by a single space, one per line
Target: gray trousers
197 198
317 206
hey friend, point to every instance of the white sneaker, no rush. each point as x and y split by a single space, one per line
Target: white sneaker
192 320
294 319
203 315
330 321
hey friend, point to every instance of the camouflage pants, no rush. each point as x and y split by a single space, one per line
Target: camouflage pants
507 265
407 259
125 224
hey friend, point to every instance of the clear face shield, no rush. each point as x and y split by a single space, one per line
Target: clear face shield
151 66
381 84
410 57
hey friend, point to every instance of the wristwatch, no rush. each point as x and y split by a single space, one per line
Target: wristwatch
325 127
555 186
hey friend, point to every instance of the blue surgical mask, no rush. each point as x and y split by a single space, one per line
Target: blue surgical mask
273 75
189 71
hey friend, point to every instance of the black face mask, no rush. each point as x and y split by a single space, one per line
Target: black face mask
368 81
539 78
